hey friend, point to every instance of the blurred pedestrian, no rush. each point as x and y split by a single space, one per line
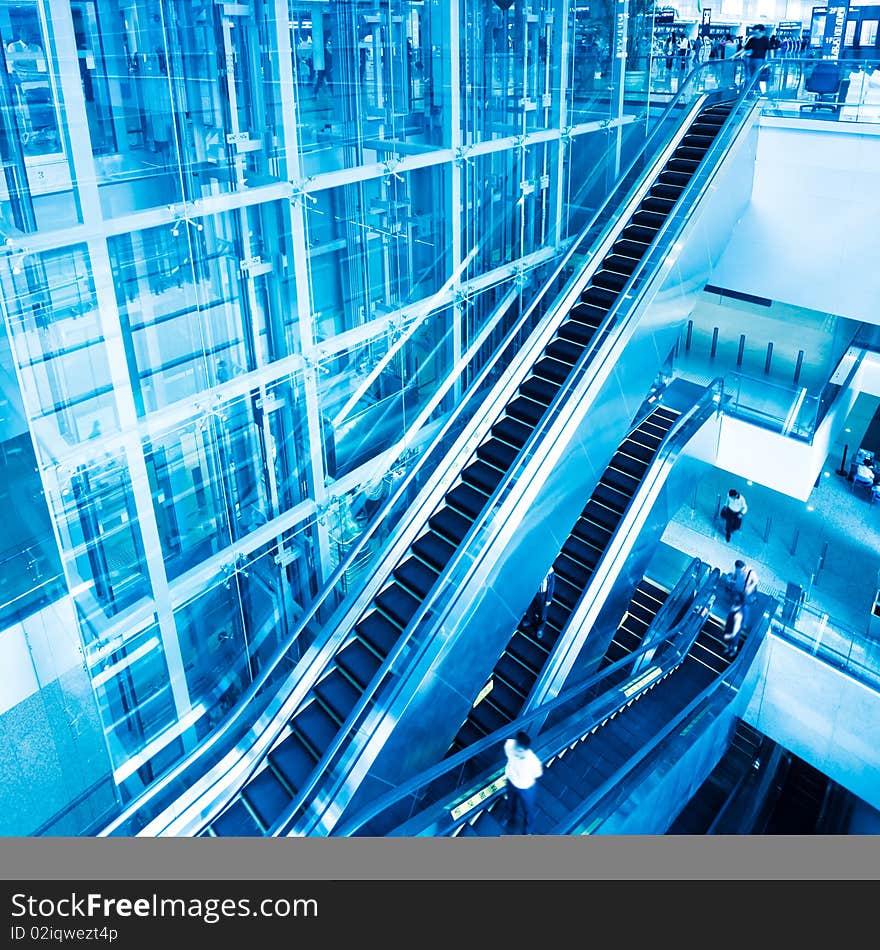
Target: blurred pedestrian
522 771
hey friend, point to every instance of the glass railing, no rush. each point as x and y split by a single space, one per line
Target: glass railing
789 410
852 652
446 795
856 99
265 699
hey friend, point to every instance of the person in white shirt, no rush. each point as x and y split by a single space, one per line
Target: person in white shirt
733 512
522 771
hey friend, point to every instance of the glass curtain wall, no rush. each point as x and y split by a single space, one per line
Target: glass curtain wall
245 245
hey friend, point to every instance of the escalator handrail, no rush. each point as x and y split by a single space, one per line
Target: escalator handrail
604 218
680 639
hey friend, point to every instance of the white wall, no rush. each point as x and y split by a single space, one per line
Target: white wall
810 235
817 712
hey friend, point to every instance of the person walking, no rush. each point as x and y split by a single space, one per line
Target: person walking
743 581
522 771
733 512
537 614
755 51
733 627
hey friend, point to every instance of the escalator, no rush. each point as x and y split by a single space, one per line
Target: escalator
594 758
293 761
599 740
647 599
522 662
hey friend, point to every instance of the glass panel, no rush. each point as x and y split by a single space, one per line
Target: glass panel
36 190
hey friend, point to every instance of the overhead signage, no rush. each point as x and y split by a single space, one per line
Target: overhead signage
832 39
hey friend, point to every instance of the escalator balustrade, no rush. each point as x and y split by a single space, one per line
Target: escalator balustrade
294 757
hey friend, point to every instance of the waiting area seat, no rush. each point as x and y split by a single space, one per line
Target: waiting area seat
824 82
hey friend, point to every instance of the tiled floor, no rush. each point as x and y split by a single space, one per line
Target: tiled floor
829 546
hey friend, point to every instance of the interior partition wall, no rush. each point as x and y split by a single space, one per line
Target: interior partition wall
243 245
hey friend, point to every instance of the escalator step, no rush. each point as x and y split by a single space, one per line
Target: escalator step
572 571
640 612
559 612
487 717
565 596
647 437
586 557
670 192
539 390
599 296
525 410
397 604
686 166
504 697
616 651
609 279
449 524
552 807
694 139
358 661
588 314
487 826
416 575
671 176
579 333
657 205
338 694
293 761
498 453
236 822
467 499
611 497
620 264
631 447
564 350
316 727
469 733
513 431
551 370
633 249
688 153
267 797
705 129
626 463
604 517
434 549
636 232
482 476
523 678
527 652
595 534
648 219
620 481
378 632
